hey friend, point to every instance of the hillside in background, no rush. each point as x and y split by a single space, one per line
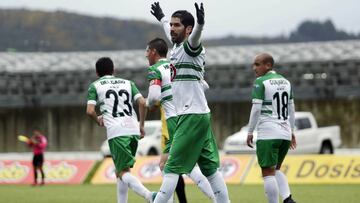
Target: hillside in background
27 30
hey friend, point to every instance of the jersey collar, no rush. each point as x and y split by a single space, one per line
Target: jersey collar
107 76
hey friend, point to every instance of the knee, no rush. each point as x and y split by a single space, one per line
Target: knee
121 173
268 171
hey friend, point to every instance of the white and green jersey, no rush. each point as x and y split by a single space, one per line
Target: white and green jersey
274 92
115 97
161 71
189 96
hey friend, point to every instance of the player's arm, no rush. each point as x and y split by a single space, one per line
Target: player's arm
154 95
257 100
254 117
91 103
159 15
142 114
90 111
292 121
195 36
139 99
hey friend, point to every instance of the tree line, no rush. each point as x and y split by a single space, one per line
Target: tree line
28 30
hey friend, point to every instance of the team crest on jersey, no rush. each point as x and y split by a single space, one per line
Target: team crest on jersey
172 71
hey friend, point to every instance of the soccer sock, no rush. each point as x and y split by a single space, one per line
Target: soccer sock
167 187
180 190
42 176
134 184
283 184
122 191
219 187
271 189
201 181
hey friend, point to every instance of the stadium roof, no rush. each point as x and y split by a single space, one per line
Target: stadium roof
221 55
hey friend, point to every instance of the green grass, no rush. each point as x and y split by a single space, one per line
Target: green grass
106 193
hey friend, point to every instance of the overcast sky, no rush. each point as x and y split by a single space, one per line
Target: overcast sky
223 17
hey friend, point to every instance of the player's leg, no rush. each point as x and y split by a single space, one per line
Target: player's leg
167 188
281 179
123 150
202 182
181 158
267 154
209 163
34 166
122 191
41 163
180 190
171 125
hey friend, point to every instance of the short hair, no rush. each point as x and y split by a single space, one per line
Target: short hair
186 18
104 66
267 58
160 46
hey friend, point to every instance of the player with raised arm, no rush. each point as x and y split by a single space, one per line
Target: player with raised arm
115 96
193 127
273 112
160 91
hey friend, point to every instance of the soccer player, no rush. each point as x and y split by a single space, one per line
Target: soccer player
38 143
160 90
193 141
115 96
273 112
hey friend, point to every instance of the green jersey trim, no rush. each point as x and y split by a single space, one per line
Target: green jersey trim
153 73
266 111
92 94
192 52
186 78
188 66
165 99
166 87
267 103
259 88
134 90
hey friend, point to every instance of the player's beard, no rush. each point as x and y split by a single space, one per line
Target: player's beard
177 38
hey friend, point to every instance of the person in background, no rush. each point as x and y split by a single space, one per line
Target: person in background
38 143
273 112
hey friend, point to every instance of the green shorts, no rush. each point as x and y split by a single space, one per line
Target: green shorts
123 151
171 125
271 152
193 142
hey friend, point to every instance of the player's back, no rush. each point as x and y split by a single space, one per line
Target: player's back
276 96
189 96
115 97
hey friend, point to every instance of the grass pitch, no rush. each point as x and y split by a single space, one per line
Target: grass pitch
106 193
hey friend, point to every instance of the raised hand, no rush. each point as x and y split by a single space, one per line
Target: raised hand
157 11
200 13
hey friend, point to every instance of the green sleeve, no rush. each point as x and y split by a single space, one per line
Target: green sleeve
192 51
153 73
92 95
258 90
134 89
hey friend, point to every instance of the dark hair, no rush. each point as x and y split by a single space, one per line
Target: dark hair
186 18
160 46
104 66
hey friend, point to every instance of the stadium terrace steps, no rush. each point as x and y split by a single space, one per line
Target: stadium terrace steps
317 70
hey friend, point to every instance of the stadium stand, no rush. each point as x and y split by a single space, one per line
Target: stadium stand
318 70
